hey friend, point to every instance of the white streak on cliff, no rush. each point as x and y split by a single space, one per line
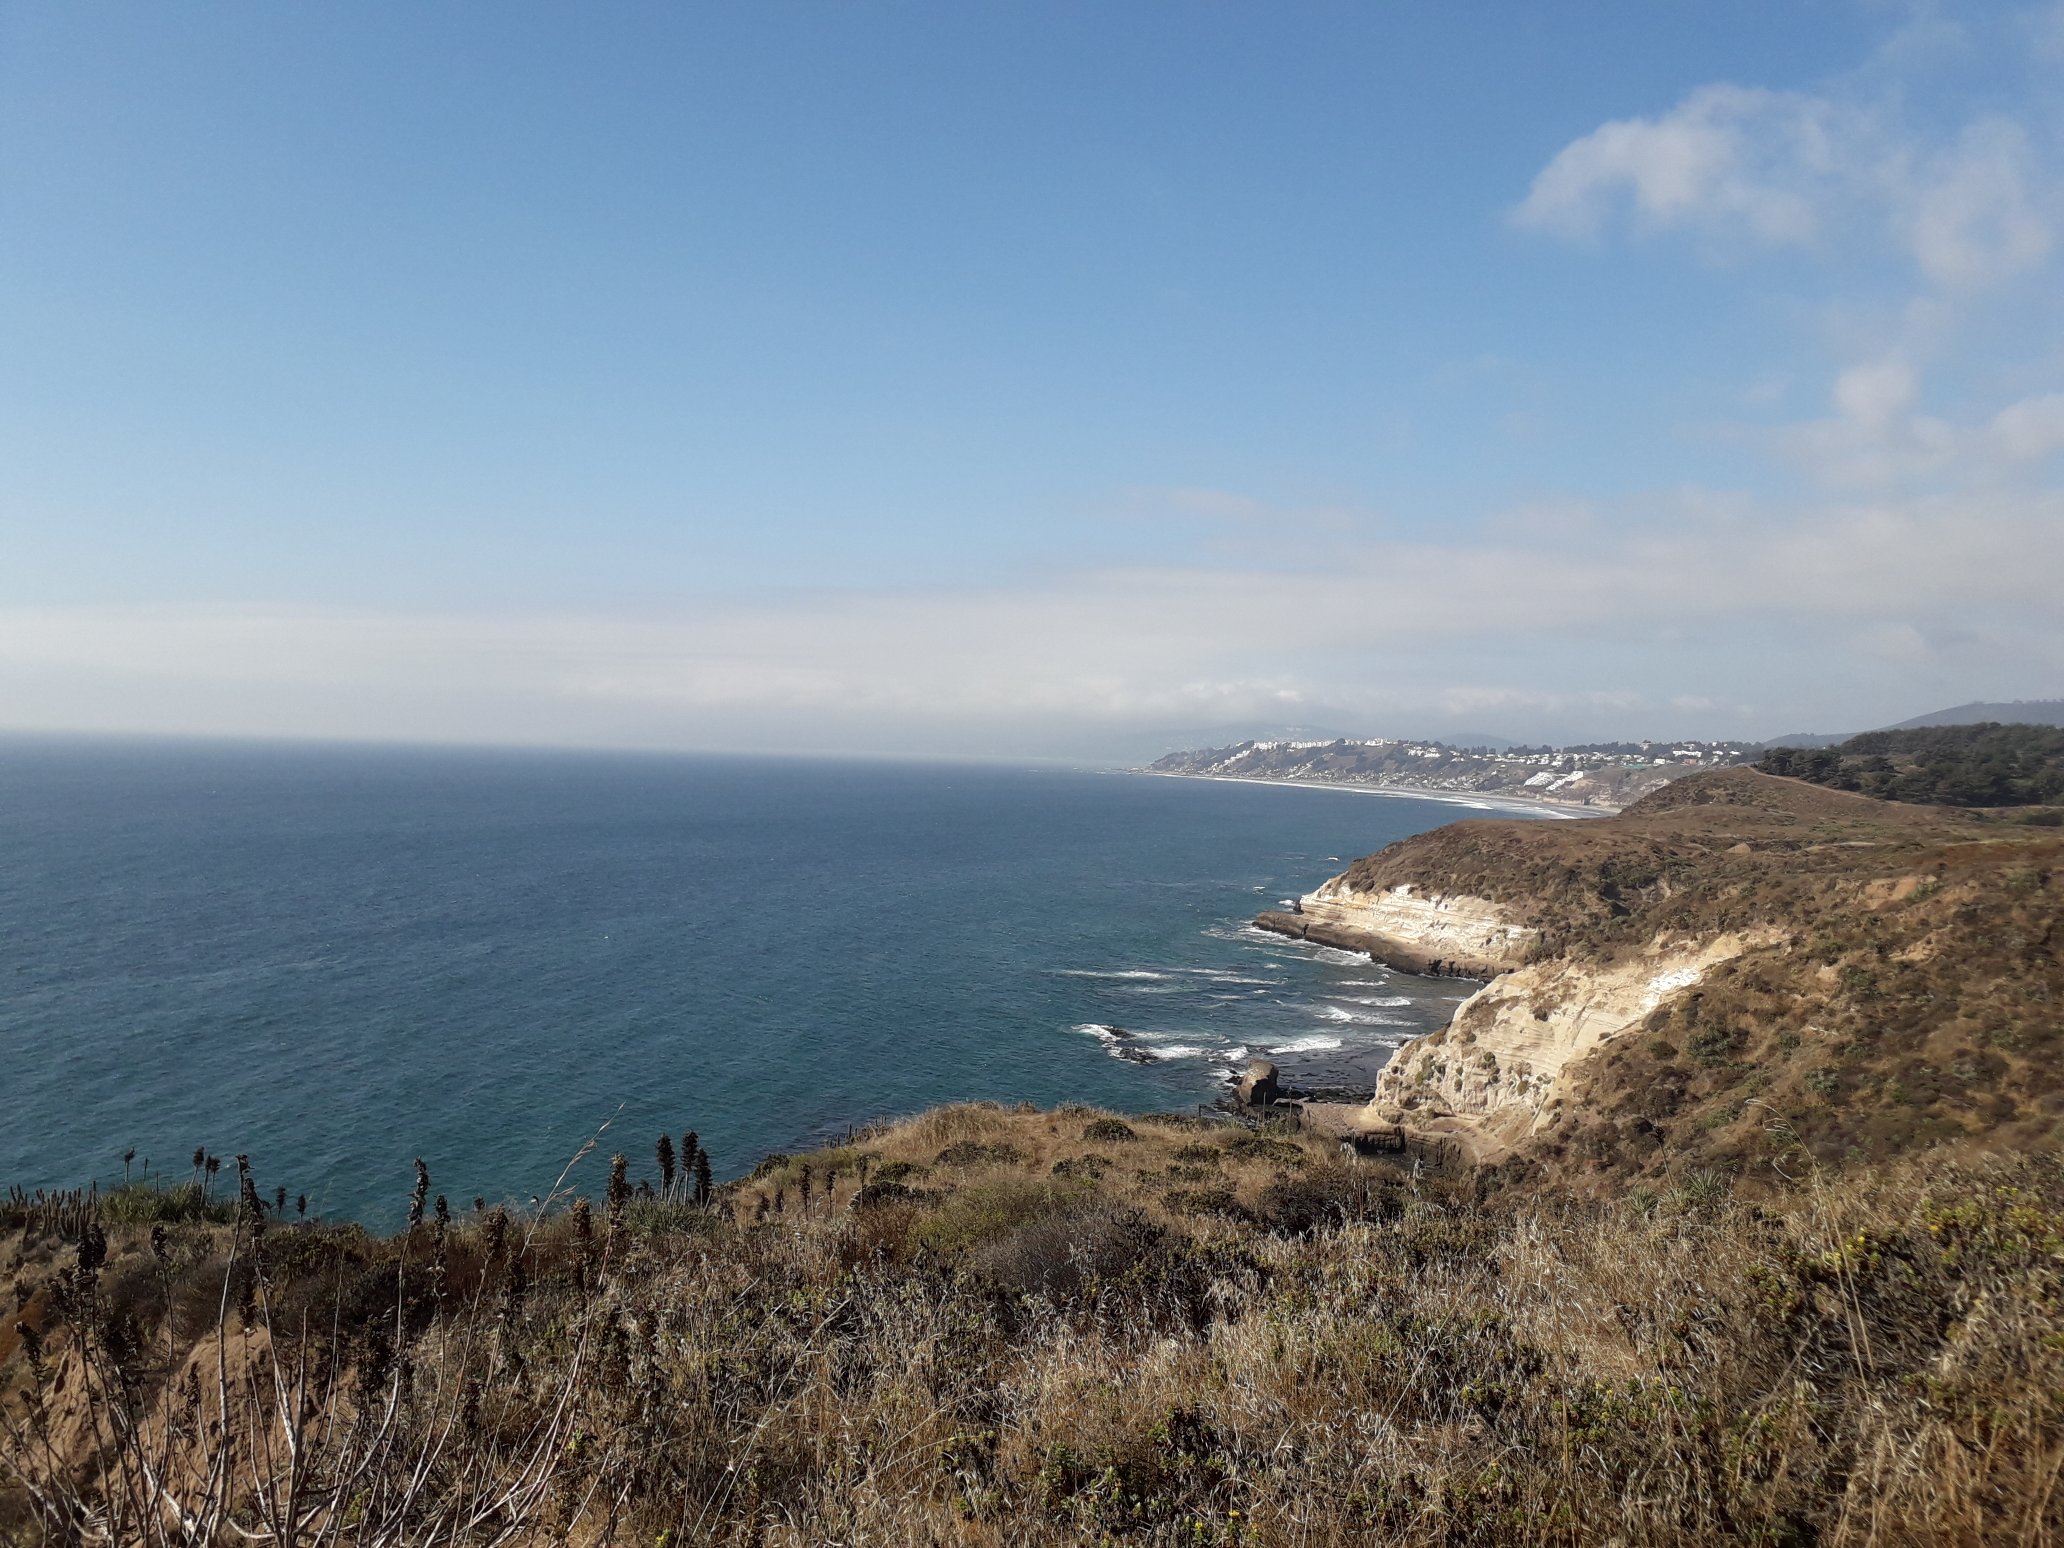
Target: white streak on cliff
1443 925
1496 1073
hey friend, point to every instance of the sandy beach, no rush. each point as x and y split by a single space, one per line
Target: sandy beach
1531 805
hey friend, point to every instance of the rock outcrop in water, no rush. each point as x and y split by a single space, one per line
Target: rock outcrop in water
1260 1085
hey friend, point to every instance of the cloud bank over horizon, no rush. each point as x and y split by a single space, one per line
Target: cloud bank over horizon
1869 524
1721 598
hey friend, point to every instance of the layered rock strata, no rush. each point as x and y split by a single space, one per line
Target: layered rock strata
1409 928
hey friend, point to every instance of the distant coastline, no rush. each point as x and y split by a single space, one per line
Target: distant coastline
1533 805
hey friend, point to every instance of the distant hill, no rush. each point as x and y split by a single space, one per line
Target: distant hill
2016 712
2019 712
1810 738
1938 765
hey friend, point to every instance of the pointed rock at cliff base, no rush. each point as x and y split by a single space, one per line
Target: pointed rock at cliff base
1259 1087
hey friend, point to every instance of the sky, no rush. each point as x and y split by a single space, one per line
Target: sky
1027 378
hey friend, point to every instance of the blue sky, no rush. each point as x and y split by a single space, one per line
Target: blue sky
1021 378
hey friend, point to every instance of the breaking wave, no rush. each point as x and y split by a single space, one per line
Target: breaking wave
1300 1045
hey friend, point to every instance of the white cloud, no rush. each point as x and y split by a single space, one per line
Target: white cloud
2029 430
1741 164
1973 216
1455 630
1726 159
1877 437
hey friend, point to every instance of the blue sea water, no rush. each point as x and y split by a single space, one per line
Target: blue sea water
339 959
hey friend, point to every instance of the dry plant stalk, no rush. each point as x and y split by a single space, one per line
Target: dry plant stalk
1012 1333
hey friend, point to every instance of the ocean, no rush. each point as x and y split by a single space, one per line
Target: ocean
338 959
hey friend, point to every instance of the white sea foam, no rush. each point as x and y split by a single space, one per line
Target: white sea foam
1179 1051
1300 1045
1359 1018
1388 1001
1247 934
1108 973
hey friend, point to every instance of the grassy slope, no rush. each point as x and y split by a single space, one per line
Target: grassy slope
1033 1329
1919 996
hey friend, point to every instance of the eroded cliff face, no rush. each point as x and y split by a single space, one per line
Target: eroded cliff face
1410 928
1495 1076
1735 969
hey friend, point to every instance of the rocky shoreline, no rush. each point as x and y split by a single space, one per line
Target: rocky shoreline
1493 1077
1733 946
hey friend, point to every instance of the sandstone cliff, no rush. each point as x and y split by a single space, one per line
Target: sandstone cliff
1736 969
1497 1067
1415 931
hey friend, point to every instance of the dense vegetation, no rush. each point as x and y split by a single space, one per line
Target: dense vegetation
1012 1327
1983 765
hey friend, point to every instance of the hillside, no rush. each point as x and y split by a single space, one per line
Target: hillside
1020 1329
1740 972
1986 765
2026 712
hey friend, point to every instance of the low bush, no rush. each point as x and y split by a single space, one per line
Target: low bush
989 1210
1109 1131
975 1153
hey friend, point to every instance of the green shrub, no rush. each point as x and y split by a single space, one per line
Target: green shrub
975 1153
155 1204
1297 1204
1712 1046
1215 1200
1265 1147
990 1210
1090 1166
1113 1131
1065 1252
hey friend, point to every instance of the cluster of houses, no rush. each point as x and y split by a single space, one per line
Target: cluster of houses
1597 773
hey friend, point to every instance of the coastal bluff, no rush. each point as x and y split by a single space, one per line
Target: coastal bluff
1430 933
1734 958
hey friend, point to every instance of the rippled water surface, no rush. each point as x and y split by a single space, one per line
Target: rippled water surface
340 959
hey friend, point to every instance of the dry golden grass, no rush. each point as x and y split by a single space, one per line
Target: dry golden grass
1027 1328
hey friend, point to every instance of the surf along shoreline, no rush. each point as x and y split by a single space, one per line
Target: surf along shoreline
1534 806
